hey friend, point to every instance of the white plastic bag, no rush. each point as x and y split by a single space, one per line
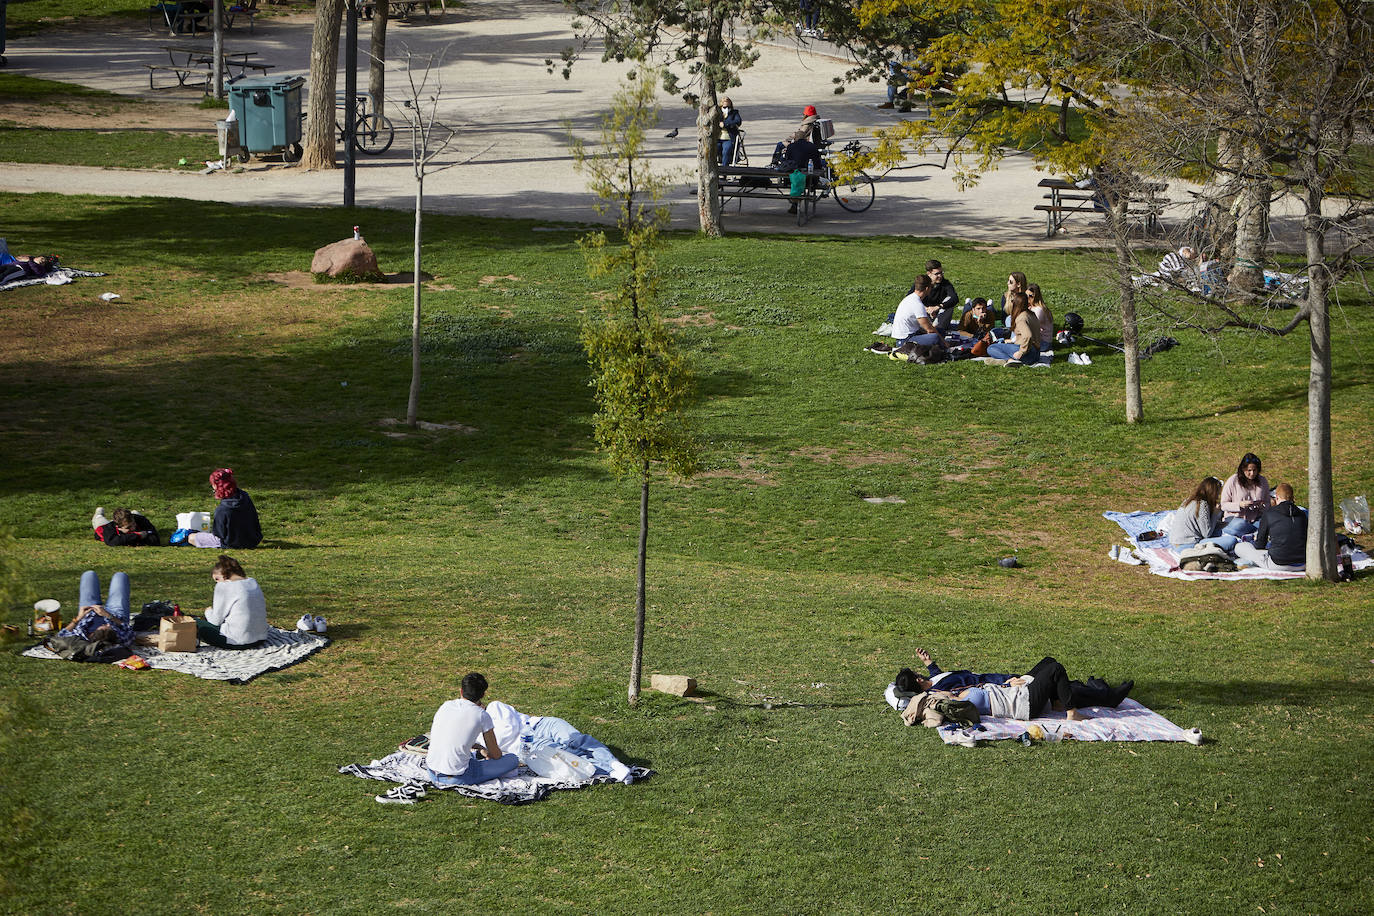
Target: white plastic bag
1355 512
557 763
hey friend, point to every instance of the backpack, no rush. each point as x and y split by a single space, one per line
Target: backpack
961 711
1207 558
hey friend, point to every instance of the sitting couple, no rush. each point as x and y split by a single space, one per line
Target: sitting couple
1028 696
469 744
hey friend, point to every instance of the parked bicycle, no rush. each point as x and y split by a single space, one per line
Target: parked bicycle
854 193
373 132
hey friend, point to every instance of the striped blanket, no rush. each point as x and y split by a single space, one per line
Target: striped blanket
282 649
57 277
1163 559
1128 722
523 787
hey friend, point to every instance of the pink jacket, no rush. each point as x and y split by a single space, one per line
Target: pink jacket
1235 493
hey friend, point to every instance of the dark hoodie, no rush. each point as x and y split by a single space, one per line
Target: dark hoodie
143 535
236 522
1283 531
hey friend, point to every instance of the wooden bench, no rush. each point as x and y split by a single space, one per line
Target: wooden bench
737 182
1066 198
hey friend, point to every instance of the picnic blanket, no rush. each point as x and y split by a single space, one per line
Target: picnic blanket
54 278
1128 722
521 788
282 649
1163 559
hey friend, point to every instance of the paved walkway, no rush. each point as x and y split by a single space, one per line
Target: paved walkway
513 118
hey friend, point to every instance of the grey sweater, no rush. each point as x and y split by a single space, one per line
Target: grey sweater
1192 522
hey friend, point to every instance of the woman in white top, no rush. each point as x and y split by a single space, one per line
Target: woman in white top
238 617
1041 311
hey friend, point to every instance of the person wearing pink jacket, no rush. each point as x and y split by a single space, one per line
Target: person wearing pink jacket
1244 497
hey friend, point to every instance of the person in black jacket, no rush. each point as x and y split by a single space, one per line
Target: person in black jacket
1281 542
236 518
125 528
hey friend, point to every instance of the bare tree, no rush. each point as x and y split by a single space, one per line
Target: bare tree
429 139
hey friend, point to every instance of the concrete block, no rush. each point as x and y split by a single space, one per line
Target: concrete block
676 684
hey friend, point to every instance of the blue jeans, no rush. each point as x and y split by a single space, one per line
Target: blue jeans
927 340
477 771
727 151
1226 542
558 732
1239 527
89 592
1008 351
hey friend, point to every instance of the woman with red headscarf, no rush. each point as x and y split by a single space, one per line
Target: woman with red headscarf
236 518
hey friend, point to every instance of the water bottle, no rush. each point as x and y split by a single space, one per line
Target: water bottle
1024 738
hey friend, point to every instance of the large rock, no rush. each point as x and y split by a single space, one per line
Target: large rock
348 258
676 684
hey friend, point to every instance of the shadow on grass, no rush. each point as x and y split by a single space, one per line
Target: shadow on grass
1315 696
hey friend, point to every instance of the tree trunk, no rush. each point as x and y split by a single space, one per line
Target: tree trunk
1220 242
708 115
324 65
217 52
1321 511
376 70
413 404
637 657
1117 203
1250 215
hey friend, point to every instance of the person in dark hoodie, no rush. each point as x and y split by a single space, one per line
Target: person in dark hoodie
1281 542
236 518
125 528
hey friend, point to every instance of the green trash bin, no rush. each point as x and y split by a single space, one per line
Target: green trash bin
268 109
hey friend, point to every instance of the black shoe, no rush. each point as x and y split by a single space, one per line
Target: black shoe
1097 682
792 209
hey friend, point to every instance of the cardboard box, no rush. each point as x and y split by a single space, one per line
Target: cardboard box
176 634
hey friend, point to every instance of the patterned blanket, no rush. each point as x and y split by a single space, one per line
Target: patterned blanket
1163 559
282 649
1128 722
522 788
55 278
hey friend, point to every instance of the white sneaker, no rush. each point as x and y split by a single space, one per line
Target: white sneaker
1115 552
306 624
320 624
407 794
1084 359
1193 736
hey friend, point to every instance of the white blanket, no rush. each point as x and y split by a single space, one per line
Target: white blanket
1128 722
521 788
282 649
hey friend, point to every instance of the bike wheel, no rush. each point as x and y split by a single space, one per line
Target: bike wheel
373 134
855 195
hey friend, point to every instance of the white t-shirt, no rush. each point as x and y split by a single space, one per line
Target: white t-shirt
457 727
240 611
906 322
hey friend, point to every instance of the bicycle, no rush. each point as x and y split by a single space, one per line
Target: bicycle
373 132
855 194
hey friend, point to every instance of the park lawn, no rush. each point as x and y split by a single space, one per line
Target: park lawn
505 547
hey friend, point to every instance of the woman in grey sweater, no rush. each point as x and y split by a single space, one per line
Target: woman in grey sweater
1199 520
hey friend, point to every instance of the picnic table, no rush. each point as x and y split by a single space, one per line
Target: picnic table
181 16
401 9
192 65
737 182
1067 198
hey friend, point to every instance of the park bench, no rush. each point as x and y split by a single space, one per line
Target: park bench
193 65
737 182
1066 198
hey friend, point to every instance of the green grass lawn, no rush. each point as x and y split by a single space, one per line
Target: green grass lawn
507 548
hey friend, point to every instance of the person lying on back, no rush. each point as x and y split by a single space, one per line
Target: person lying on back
125 528
907 684
511 727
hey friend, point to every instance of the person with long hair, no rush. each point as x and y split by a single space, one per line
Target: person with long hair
1042 315
1024 347
1244 497
236 523
238 617
1198 521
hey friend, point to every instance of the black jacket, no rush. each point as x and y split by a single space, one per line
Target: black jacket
143 535
236 522
1283 531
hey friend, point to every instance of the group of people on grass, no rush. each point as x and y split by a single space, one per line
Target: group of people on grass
1020 329
1245 518
237 616
935 697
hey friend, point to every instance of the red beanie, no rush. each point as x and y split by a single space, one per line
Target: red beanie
808 111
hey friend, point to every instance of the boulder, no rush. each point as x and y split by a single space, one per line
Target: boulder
676 684
348 258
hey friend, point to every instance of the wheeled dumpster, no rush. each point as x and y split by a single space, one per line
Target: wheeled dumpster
268 109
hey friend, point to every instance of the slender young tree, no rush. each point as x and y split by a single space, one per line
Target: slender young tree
641 380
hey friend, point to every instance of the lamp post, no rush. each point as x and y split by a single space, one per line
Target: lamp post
350 94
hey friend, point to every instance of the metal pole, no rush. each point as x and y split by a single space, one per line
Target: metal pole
350 94
218 77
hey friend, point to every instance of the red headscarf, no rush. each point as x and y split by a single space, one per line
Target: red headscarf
809 111
222 479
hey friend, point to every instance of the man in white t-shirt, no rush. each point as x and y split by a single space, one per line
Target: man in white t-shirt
457 727
911 322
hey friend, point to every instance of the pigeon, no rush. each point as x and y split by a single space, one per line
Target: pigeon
671 134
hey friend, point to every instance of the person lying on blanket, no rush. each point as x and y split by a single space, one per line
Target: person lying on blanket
908 685
455 732
24 267
512 726
124 528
